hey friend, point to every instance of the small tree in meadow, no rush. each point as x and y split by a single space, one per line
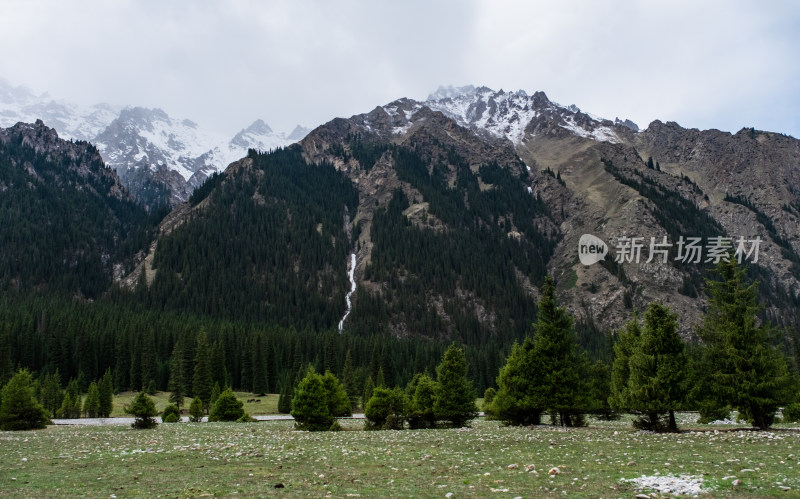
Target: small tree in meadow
227 407
144 411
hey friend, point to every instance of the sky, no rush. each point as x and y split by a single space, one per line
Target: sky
704 64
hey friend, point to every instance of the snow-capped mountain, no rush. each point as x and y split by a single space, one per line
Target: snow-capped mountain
20 104
511 115
151 151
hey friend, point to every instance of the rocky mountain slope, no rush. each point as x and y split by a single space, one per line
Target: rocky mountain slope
68 223
159 159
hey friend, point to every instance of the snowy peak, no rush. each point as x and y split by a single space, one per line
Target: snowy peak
20 104
512 115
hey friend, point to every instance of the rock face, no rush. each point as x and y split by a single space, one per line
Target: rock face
599 177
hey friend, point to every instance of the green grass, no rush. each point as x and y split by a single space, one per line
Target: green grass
226 459
268 404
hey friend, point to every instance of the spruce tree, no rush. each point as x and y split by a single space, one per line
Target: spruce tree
310 408
338 401
626 345
349 380
565 369
196 410
51 394
369 387
227 407
746 371
106 389
177 384
421 401
657 382
519 400
91 406
202 381
260 383
215 393
143 409
454 399
19 410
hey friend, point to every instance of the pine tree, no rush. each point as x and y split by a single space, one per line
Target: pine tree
658 370
106 389
310 408
91 406
454 397
196 410
380 380
369 387
218 370
626 345
19 410
564 375
349 380
143 409
745 370
338 401
202 380
215 393
519 399
177 384
227 407
51 394
386 409
421 401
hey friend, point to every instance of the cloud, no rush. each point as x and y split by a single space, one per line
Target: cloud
712 64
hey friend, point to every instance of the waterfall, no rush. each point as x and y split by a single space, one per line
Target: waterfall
347 297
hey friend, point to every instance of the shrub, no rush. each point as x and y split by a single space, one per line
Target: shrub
227 407
144 411
171 414
19 410
386 409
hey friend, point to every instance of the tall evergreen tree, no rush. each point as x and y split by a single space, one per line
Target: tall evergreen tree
349 380
746 371
310 408
91 406
260 382
106 389
626 345
658 370
565 369
202 381
177 384
519 400
338 401
454 399
51 394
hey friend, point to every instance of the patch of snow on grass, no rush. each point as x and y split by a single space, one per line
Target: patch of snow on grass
679 485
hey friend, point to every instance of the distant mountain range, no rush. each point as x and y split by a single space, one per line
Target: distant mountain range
158 158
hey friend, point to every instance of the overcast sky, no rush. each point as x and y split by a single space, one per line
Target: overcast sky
726 64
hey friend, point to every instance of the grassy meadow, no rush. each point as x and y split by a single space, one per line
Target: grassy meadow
268 403
250 459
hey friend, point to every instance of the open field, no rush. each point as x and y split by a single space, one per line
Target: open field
227 459
268 403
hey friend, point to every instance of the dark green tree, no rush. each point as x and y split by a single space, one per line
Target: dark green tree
106 393
310 404
519 399
260 382
91 406
626 345
746 371
19 409
215 393
386 409
421 401
338 401
177 384
202 381
369 387
196 410
227 407
171 414
349 380
563 378
454 397
144 412
51 394
657 382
